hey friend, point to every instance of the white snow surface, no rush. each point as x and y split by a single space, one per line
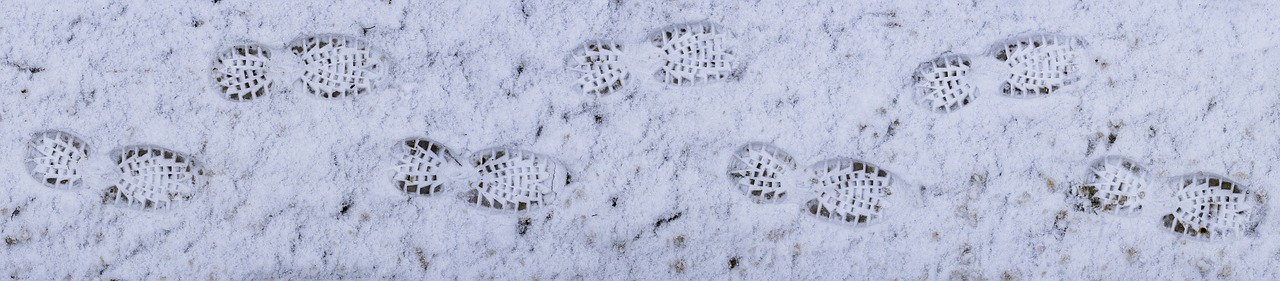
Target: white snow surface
979 193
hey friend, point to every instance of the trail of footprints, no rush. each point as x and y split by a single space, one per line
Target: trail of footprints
1200 205
839 189
149 177
1029 66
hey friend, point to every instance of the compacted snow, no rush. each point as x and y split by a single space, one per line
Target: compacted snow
233 139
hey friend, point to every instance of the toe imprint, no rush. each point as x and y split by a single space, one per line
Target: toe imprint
849 191
695 52
1213 207
516 180
1038 64
154 178
338 66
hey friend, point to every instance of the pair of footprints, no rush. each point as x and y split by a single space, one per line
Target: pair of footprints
328 66
500 178
840 189
1199 205
1025 66
149 177
682 54
157 178
515 180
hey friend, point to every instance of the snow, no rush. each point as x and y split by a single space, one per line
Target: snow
978 193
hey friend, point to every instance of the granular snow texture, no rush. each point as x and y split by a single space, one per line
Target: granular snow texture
299 186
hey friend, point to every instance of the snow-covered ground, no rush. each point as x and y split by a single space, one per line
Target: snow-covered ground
300 187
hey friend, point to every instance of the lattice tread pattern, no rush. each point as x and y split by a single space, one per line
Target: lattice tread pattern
943 83
337 66
154 178
849 191
241 72
515 180
1039 65
600 66
423 167
1117 186
1212 207
695 52
55 158
759 170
